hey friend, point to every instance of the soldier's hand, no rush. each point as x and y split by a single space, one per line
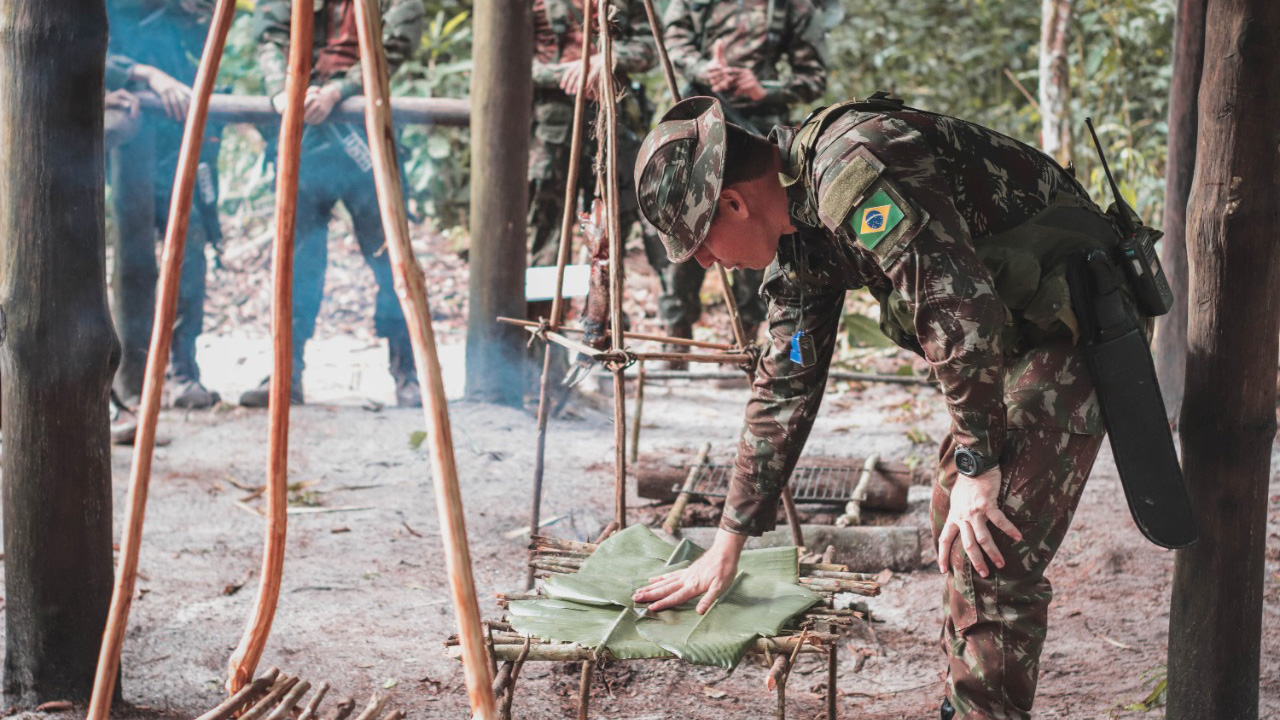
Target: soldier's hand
974 504
279 101
719 74
174 96
573 75
122 100
319 103
746 84
709 576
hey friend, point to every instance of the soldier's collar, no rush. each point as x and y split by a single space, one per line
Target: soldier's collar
784 137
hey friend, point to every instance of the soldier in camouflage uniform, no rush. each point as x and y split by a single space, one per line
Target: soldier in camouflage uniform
963 235
336 165
558 36
732 50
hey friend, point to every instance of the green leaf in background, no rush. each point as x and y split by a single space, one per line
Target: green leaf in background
416 438
862 331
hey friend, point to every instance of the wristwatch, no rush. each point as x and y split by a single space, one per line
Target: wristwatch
971 463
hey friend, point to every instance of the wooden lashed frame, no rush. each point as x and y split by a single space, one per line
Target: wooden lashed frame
273 696
815 630
618 357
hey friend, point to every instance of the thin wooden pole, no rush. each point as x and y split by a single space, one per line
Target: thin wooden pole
627 335
793 517
175 240
412 291
730 302
617 256
557 303
244 660
584 689
575 159
639 415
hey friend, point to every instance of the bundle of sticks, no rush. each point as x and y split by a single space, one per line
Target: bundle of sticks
277 696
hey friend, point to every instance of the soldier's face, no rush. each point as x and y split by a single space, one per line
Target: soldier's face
750 218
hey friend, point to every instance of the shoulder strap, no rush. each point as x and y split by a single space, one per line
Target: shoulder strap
799 161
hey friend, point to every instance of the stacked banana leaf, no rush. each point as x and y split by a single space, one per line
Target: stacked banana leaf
594 608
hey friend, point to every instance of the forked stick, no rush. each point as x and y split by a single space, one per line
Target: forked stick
175 240
411 290
247 654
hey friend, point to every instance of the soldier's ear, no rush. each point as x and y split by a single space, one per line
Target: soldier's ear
734 203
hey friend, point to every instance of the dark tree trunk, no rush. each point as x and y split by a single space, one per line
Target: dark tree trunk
501 101
59 349
1171 330
1228 416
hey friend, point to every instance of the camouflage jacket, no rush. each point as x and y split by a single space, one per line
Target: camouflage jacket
961 233
557 37
401 34
757 35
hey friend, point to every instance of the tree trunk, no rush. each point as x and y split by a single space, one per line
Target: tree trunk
1228 417
1171 330
59 350
1055 80
501 101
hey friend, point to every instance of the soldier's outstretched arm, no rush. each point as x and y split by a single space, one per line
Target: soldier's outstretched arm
785 396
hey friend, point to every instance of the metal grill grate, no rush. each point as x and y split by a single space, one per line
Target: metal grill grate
809 484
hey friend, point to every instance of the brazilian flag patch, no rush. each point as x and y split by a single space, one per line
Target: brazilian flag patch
875 219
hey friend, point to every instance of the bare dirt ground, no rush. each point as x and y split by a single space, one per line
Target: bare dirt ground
365 602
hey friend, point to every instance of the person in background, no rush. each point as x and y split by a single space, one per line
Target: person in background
154 47
732 51
336 165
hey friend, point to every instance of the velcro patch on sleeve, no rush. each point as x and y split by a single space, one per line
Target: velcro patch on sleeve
849 187
886 221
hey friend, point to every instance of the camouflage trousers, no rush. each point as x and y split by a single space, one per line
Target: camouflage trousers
994 627
680 299
550 149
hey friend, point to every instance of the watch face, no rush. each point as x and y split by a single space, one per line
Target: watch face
966 463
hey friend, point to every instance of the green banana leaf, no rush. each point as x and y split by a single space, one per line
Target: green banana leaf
764 596
594 608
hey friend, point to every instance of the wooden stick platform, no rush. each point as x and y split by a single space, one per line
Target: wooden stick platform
814 632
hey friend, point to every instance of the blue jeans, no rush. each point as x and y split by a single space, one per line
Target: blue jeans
328 174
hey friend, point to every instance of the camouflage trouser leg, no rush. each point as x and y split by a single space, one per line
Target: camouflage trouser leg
680 300
994 627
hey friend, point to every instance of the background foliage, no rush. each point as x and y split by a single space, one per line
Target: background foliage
949 56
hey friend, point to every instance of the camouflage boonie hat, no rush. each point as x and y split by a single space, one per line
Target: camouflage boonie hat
679 173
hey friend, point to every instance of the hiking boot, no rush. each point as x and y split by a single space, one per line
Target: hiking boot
260 396
405 372
189 394
124 424
684 331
